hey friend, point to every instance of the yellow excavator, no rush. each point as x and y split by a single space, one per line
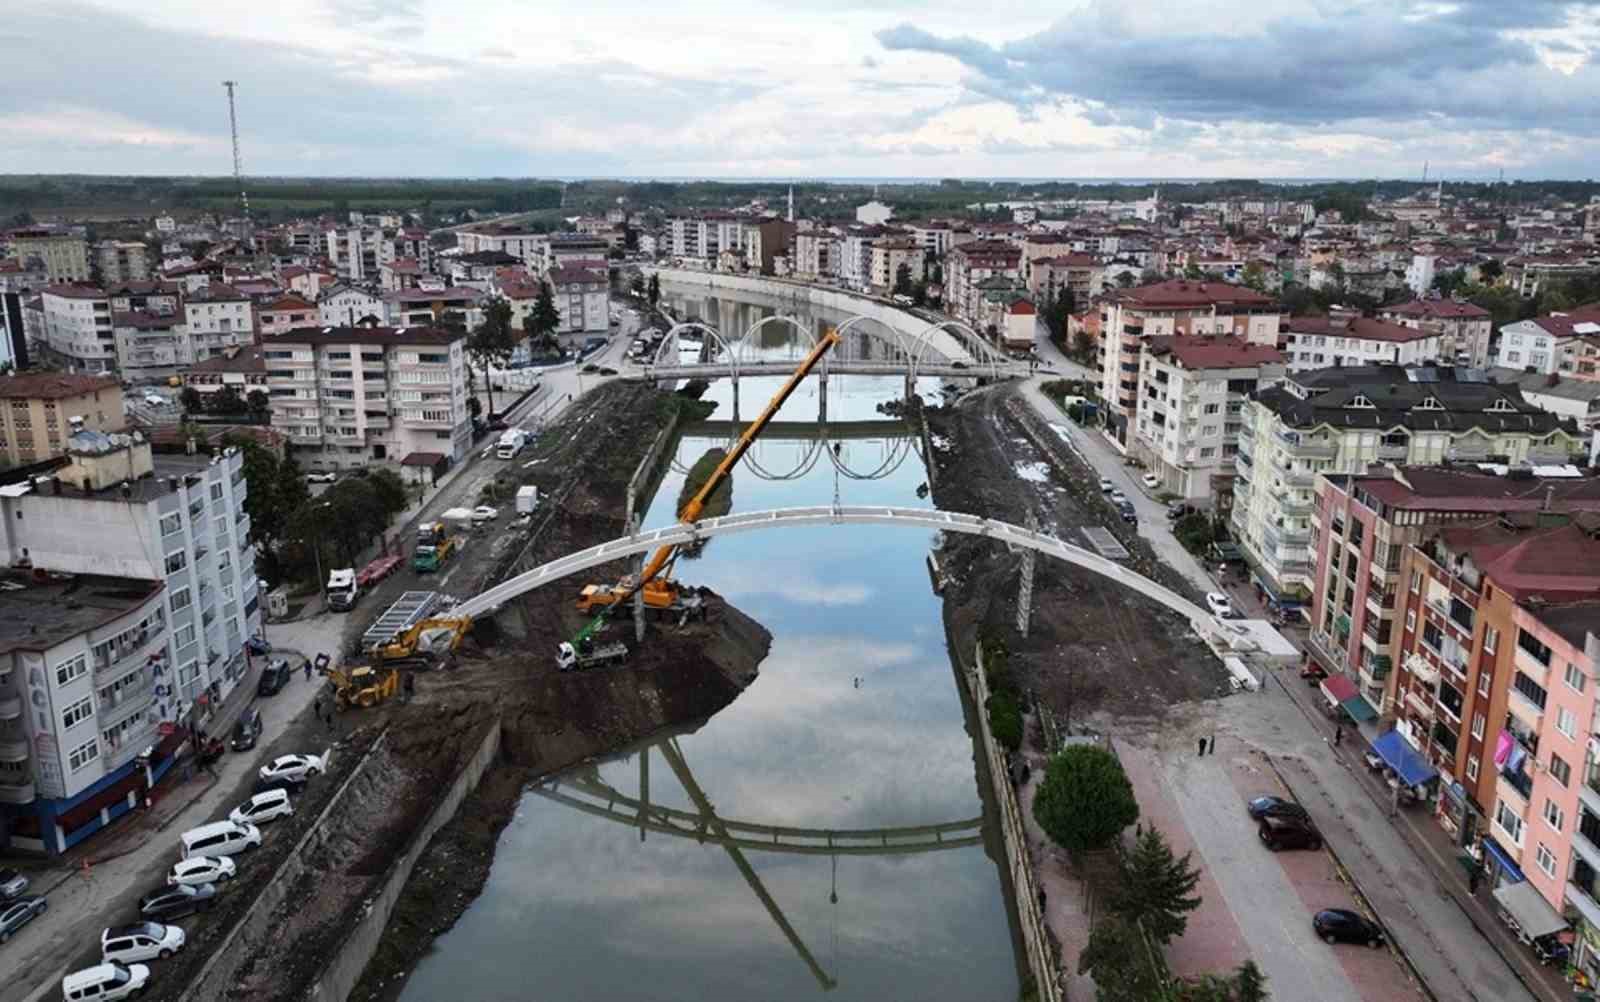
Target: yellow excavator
425 642
359 685
655 581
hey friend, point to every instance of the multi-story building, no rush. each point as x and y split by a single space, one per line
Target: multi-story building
1191 394
78 333
935 238
354 252
1529 274
1081 275
120 261
1341 420
1463 328
574 248
704 236
1179 307
1344 337
244 368
285 313
816 255
216 318
347 306
125 632
523 244
65 254
346 396
889 254
460 308
37 412
1555 342
971 263
855 256
582 297
765 241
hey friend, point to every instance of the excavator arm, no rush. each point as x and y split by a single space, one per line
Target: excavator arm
662 558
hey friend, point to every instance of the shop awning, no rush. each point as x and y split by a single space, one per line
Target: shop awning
1412 768
1529 908
1492 849
1336 689
1359 709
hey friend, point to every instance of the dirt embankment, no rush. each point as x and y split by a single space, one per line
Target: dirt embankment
507 678
1095 651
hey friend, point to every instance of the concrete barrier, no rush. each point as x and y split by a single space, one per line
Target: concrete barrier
361 938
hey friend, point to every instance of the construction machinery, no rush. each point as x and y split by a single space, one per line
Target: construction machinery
425 642
654 583
435 545
360 686
588 654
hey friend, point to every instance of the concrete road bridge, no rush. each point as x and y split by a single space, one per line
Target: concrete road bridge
822 441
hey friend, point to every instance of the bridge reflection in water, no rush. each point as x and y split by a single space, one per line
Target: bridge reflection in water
583 790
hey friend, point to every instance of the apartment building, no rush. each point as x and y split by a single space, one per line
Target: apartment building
816 255
1191 394
37 410
765 241
855 256
78 334
1555 342
583 298
935 238
969 264
1179 307
1345 337
285 313
1342 420
244 368
65 254
346 306
216 318
460 308
120 261
573 248
1463 328
1080 275
704 236
346 396
126 629
889 254
354 252
523 244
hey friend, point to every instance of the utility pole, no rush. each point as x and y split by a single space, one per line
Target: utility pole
238 163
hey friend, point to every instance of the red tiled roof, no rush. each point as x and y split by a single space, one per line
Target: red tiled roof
1562 322
1226 352
1438 308
1363 328
52 385
286 304
1183 292
366 335
145 320
1436 488
575 274
1069 261
1559 563
247 359
75 291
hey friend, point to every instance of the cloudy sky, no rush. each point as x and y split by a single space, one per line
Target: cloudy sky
891 88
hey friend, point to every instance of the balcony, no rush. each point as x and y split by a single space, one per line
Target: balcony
128 656
1519 783
1420 705
1393 453
1525 709
1531 666
1296 507
129 700
21 793
1589 789
1309 448
10 707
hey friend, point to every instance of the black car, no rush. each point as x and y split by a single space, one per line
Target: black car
290 786
1128 512
1340 925
273 678
1276 807
1289 833
247 730
19 913
177 901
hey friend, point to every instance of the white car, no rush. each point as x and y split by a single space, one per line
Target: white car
296 767
1219 605
1151 480
1106 486
324 477
269 805
202 870
105 982
155 400
124 944
1118 498
485 513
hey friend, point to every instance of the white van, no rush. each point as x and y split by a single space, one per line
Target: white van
220 838
104 981
140 941
264 806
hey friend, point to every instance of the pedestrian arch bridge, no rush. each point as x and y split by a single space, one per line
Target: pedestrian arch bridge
777 518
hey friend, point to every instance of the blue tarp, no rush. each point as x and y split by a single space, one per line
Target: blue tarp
1412 768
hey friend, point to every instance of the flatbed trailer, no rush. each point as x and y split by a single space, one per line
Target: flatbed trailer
408 610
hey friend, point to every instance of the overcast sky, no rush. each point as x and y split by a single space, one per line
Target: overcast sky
890 88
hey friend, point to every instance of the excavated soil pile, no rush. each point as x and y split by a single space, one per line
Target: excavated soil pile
1094 649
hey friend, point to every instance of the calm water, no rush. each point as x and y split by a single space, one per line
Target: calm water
577 907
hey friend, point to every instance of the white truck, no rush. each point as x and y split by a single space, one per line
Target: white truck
343 589
511 442
569 658
527 499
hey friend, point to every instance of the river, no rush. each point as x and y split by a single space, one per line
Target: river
854 723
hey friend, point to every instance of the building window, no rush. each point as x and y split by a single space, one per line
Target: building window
180 599
1574 678
171 523
1508 821
1472 768
84 754
1533 647
77 713
74 669
1491 637
1411 620
1547 860
1484 681
1553 815
1560 769
1416 581
1566 722
1477 726
177 561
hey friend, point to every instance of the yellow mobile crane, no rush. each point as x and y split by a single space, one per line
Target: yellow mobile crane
655 580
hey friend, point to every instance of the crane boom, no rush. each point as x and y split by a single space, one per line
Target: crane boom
663 557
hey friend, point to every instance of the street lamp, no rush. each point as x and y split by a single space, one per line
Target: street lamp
316 554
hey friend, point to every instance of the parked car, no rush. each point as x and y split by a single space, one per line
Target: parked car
202 870
220 838
1341 925
1106 486
12 884
606 370
141 941
105 982
155 400
1219 605
247 730
177 900
322 477
496 424
258 646
484 513
273 677
19 913
1151 481
1178 510
284 783
297 767
1289 833
261 808
1118 498
1128 512
1276 807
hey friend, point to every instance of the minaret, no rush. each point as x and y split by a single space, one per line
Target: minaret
791 203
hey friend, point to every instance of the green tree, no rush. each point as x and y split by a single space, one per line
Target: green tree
1447 282
1491 270
227 401
1126 279
1192 270
653 292
1085 799
1083 346
542 322
1157 888
1255 276
1117 958
1057 312
902 279
1005 719
1249 984
493 342
391 492
258 403
191 400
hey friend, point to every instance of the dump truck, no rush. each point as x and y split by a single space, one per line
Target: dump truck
435 545
588 654
343 589
511 442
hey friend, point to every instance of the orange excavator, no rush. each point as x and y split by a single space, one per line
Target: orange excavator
654 581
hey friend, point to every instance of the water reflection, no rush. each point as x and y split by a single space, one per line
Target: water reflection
854 724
